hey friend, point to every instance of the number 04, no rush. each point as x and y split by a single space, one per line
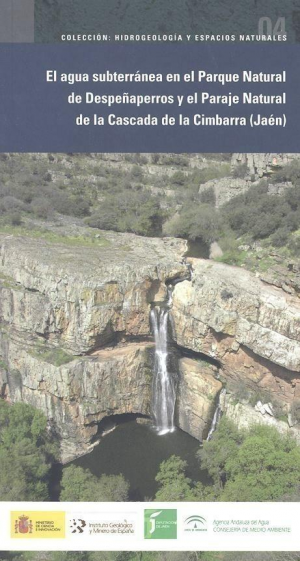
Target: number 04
265 26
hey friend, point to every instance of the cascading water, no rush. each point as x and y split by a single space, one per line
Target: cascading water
164 393
170 296
217 415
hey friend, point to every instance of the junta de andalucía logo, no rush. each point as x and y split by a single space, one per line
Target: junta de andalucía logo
195 523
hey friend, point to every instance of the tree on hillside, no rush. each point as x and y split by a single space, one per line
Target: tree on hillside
80 484
217 451
173 483
130 211
196 221
26 453
265 467
254 465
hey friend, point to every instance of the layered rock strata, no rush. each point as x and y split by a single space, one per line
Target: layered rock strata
260 165
76 340
83 297
252 329
196 398
75 334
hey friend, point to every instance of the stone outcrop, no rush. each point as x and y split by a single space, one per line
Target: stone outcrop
75 338
254 167
82 298
225 188
244 416
252 329
76 396
75 335
260 165
196 396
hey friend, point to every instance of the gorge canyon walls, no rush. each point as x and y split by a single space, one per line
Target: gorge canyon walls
76 339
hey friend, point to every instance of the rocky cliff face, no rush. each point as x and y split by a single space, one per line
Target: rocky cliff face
260 165
253 168
196 397
244 416
75 336
82 298
76 396
234 302
251 329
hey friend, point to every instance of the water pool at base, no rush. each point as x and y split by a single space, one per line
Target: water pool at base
136 451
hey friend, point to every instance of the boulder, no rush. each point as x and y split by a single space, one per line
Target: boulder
244 417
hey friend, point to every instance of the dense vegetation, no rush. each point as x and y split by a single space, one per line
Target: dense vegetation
173 483
116 198
80 484
129 211
26 453
151 196
27 189
260 214
256 214
254 465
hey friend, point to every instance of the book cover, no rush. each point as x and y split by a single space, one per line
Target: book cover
149 280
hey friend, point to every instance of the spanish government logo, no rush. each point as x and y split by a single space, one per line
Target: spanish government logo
23 525
36 524
160 524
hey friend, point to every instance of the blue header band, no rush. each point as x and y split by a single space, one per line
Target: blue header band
35 115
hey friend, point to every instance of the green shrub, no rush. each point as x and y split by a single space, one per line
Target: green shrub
176 160
15 218
179 178
257 464
41 207
137 173
295 410
80 484
155 158
134 211
280 236
55 356
290 172
26 453
200 221
240 171
294 246
260 215
208 197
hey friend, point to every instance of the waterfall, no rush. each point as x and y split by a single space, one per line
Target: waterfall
164 394
170 296
217 415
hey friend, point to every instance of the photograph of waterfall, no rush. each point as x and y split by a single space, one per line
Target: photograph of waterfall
164 391
150 328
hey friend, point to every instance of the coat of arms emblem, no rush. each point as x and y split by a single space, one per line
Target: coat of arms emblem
23 525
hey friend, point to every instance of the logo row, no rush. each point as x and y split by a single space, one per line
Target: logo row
159 524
